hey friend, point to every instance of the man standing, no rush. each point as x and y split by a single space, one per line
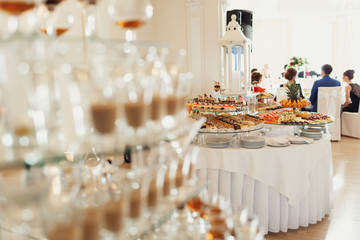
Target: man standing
326 81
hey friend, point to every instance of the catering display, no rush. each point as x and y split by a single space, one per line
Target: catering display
102 129
288 117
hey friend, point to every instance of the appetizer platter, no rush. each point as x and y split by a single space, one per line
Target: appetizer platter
263 107
227 123
265 95
289 117
217 104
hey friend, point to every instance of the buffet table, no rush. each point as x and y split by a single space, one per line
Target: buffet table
285 187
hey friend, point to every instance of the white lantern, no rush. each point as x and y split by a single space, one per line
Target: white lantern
235 51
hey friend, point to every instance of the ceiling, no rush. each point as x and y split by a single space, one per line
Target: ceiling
273 9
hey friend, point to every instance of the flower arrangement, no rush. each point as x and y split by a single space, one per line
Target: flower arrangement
298 62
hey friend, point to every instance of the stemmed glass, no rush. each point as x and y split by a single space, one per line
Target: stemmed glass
55 17
130 14
16 8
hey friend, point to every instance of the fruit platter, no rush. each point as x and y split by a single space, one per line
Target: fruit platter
288 103
289 117
293 99
227 123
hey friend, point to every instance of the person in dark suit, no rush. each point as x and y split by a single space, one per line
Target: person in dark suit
326 81
290 75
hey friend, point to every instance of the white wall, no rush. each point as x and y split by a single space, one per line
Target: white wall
190 24
324 31
197 24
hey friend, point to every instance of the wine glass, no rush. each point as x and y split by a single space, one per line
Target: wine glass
55 17
15 9
130 14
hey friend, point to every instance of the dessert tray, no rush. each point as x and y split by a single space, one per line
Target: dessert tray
217 104
226 123
262 107
289 117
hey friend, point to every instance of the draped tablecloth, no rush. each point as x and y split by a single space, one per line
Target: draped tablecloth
285 187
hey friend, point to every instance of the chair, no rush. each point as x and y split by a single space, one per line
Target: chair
329 102
281 94
350 124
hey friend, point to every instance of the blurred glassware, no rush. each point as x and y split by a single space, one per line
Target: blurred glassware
115 210
22 194
55 17
130 15
137 107
11 11
29 105
247 227
61 212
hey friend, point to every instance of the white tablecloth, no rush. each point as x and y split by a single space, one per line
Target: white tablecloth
286 187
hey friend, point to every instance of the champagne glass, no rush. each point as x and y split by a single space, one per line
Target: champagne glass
15 9
55 17
130 15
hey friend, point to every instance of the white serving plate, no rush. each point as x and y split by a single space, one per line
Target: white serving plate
252 141
253 147
218 142
313 136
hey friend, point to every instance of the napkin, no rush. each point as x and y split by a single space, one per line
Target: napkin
298 139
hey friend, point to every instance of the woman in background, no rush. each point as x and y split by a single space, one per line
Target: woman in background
256 79
352 91
290 76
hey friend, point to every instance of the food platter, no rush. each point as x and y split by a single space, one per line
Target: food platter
265 95
288 117
226 123
222 131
